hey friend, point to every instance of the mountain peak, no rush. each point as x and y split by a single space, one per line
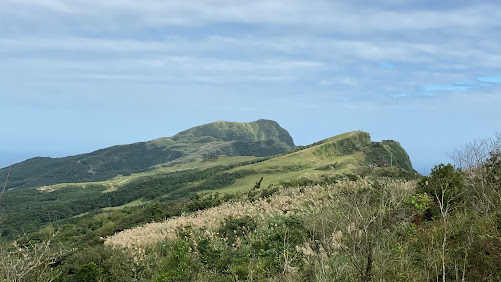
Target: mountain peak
259 130
259 138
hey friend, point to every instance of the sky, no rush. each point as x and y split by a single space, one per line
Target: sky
81 75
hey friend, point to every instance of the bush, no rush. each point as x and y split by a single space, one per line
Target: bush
178 264
100 262
232 228
89 272
276 245
420 203
445 185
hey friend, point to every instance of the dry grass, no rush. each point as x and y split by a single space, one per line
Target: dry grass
287 201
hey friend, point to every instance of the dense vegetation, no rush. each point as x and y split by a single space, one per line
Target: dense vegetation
349 216
28 210
372 228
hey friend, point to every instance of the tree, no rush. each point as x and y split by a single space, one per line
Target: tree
6 182
258 184
32 261
359 224
480 163
446 185
2 216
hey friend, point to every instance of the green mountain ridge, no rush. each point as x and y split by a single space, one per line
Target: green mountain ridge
330 158
259 130
259 138
345 208
198 174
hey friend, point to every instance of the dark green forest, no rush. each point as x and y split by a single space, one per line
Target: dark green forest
27 210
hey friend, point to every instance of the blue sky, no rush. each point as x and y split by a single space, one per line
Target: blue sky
80 75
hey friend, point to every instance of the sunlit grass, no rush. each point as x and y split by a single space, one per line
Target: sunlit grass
131 204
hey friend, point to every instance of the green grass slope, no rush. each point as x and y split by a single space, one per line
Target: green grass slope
260 138
260 130
190 177
330 158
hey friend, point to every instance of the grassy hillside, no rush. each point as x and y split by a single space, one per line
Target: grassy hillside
259 130
260 138
442 227
330 158
342 211
28 210
371 229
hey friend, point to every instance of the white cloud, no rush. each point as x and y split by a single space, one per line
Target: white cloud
326 51
446 88
344 81
491 79
323 15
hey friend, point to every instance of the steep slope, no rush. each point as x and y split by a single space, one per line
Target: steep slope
330 158
260 138
190 177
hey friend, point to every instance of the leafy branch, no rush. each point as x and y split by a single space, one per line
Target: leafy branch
6 181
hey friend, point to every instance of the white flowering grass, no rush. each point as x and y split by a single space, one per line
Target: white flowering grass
299 201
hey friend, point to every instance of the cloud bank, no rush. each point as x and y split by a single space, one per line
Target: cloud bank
130 63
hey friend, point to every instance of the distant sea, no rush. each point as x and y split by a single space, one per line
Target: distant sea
6 158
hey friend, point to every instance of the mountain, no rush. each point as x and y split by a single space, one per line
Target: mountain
200 170
259 138
318 212
348 153
255 131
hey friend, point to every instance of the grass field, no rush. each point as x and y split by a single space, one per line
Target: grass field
115 183
131 204
332 157
320 160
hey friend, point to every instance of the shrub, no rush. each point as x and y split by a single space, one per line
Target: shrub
232 228
446 185
420 203
100 262
89 272
178 264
